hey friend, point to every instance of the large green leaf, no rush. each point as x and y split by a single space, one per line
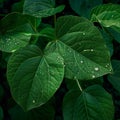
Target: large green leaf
82 47
94 103
108 15
41 8
34 76
83 7
114 78
15 32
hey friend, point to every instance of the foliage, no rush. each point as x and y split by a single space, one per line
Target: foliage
59 67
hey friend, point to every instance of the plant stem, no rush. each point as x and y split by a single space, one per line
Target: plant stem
55 25
79 85
55 21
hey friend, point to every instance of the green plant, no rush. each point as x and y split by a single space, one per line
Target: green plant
72 49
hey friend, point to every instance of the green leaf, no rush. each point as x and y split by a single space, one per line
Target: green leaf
82 47
107 15
41 8
94 103
34 76
114 78
1 113
15 32
83 7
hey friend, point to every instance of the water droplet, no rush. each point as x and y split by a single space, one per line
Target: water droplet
81 61
83 33
107 65
91 50
33 101
13 51
93 76
96 68
112 15
110 70
75 77
85 50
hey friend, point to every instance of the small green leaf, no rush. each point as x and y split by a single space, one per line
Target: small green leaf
107 15
83 7
41 8
114 78
15 32
81 45
34 76
94 103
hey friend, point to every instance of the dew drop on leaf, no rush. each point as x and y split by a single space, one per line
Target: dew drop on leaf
81 61
93 76
33 101
96 68
83 33
91 50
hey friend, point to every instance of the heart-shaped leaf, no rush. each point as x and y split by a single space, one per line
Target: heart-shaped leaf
94 103
82 47
34 76
41 8
15 32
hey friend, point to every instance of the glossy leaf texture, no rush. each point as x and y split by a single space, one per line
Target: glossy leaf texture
83 7
114 78
81 45
94 103
41 8
107 15
34 76
15 32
